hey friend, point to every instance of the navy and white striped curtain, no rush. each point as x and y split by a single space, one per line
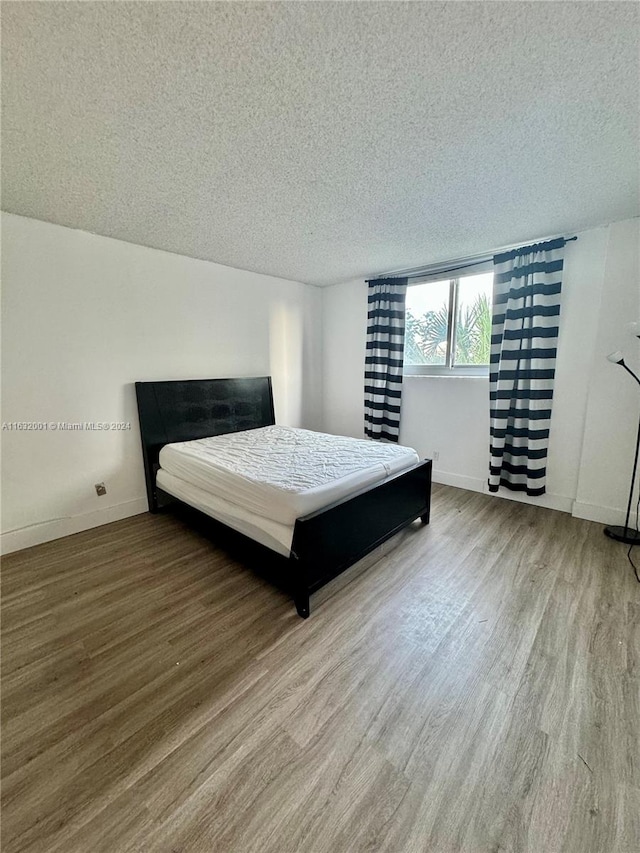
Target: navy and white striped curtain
384 357
527 284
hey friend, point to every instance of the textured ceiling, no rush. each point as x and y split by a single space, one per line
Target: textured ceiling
321 141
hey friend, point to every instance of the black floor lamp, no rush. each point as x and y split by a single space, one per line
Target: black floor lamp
626 533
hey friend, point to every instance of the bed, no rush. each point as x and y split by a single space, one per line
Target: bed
208 443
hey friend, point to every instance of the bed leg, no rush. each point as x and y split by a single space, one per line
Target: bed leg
425 518
302 604
152 499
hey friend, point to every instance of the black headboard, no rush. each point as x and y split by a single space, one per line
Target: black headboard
186 409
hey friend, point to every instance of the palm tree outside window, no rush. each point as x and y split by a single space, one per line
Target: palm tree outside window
448 326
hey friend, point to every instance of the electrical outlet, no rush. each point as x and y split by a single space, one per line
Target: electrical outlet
436 455
101 489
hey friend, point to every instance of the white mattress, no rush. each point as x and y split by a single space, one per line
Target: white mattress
281 473
276 536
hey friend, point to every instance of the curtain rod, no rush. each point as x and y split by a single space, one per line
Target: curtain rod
417 272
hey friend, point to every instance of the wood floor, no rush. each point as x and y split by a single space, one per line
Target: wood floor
475 689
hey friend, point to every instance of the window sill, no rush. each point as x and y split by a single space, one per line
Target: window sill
457 376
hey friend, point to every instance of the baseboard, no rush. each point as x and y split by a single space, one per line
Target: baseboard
590 512
603 514
36 534
476 484
460 481
548 501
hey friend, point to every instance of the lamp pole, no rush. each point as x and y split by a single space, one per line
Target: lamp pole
625 534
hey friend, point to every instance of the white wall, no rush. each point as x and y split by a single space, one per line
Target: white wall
84 317
611 420
589 462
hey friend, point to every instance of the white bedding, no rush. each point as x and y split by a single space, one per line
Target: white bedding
276 536
282 473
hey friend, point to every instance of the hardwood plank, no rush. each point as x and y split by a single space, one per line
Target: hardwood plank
471 686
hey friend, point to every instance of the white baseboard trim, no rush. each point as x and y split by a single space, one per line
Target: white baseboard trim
603 514
460 481
548 501
36 534
476 484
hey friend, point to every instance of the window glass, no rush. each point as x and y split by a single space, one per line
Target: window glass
427 323
473 320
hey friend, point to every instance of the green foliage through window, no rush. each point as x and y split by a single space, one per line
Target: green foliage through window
473 333
426 336
427 331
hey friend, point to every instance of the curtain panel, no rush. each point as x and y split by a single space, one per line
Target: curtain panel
384 357
527 284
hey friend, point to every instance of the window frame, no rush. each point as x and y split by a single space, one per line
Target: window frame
449 368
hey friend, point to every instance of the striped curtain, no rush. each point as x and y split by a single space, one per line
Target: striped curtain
526 310
384 357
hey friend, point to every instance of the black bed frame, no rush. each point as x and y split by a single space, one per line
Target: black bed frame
325 542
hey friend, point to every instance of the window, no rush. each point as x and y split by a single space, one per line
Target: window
448 326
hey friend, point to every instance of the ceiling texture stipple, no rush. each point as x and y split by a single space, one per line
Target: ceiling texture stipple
321 142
